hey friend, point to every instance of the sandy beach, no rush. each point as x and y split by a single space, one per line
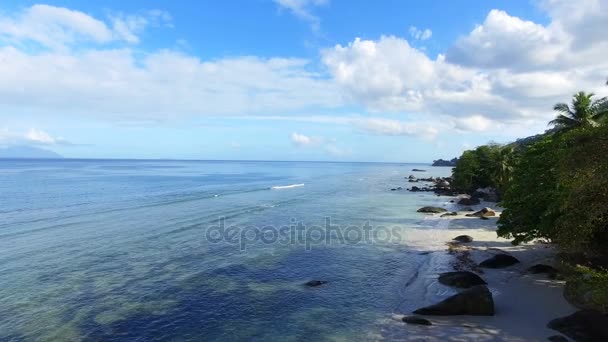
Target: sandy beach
524 303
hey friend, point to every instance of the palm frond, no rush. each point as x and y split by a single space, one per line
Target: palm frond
564 109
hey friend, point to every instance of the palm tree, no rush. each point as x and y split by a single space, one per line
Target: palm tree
584 112
503 172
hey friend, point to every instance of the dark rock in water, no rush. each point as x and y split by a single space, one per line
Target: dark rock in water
453 213
476 300
557 338
542 268
463 238
315 283
416 320
468 209
413 181
499 261
484 218
462 279
418 170
434 210
393 189
583 325
415 188
452 201
485 212
469 201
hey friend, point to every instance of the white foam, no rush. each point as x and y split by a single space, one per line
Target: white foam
279 187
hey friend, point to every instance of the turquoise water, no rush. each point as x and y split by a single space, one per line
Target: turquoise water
125 250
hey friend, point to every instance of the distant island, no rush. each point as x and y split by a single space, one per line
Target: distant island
442 162
25 152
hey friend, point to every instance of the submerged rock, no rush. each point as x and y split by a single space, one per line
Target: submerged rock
542 268
463 238
315 283
462 279
485 212
583 325
499 261
434 210
453 213
416 320
476 300
418 170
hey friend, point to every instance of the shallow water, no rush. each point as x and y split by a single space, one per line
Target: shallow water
121 250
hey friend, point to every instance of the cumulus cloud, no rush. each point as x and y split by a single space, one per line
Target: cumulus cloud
304 140
57 27
420 34
303 10
33 136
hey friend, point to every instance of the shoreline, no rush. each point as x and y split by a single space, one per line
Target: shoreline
524 303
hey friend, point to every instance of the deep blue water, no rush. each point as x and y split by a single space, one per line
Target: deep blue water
119 250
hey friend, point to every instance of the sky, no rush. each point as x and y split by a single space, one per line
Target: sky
384 81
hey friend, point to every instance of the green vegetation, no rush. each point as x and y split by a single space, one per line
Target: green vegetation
554 187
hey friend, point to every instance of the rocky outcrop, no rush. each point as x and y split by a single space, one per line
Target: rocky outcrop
462 279
315 283
433 210
485 212
499 261
463 238
416 320
476 300
583 325
469 201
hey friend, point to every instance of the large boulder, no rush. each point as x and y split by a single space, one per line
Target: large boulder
583 325
434 210
499 261
542 268
469 201
463 238
462 279
476 300
416 320
485 212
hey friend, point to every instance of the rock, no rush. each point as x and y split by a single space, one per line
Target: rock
485 212
463 238
453 213
476 300
469 201
557 338
499 261
315 283
416 320
443 183
411 177
393 189
413 181
452 201
468 209
462 279
434 210
542 268
583 325
418 170
484 218
399 188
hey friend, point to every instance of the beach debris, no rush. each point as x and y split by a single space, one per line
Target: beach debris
476 301
463 238
485 212
583 325
315 283
499 261
434 210
462 279
416 320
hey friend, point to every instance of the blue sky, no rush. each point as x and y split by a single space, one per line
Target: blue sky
290 79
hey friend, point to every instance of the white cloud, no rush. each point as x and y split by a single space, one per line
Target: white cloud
304 140
58 27
303 10
382 126
33 136
420 34
474 123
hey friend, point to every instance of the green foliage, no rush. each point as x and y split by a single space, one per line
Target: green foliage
588 288
529 199
487 165
584 112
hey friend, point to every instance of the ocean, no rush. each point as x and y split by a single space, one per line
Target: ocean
129 250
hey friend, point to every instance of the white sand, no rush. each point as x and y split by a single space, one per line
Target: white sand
524 303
